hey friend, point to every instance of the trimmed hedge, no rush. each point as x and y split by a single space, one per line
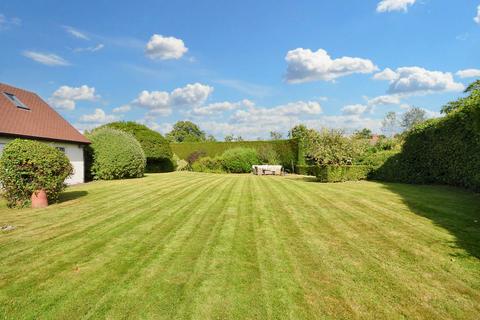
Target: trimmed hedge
286 150
443 151
305 170
332 173
27 166
156 148
207 164
114 154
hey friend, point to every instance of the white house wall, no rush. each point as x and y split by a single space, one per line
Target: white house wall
73 151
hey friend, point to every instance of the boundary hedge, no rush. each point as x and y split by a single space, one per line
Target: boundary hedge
342 173
287 150
443 151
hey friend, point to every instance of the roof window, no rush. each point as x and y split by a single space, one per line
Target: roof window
16 101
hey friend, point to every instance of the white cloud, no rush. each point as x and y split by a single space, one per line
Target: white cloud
394 5
219 107
417 81
354 109
122 109
164 48
305 65
160 103
387 74
477 17
99 116
65 96
48 59
190 95
96 48
469 73
251 89
384 100
6 23
76 33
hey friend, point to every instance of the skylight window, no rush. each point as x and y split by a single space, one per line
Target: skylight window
16 101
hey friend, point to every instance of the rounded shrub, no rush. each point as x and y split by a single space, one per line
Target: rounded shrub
207 164
115 154
239 160
27 166
156 148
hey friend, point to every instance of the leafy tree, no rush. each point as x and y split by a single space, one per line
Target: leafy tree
473 98
275 135
390 123
412 117
211 138
300 131
186 131
363 134
229 138
156 148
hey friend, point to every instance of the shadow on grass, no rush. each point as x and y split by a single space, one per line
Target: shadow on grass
71 195
450 208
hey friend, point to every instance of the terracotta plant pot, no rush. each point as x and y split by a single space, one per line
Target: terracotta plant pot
39 199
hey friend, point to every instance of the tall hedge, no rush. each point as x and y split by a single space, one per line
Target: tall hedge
156 148
114 154
444 151
287 150
27 166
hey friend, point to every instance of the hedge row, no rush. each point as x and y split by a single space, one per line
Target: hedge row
305 170
287 150
443 151
342 173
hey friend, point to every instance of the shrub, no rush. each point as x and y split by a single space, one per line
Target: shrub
180 164
115 155
268 155
194 156
156 148
305 170
330 173
239 160
27 166
207 164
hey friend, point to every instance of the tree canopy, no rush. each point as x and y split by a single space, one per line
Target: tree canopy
186 131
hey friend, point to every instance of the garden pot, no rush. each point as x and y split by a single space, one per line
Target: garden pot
39 199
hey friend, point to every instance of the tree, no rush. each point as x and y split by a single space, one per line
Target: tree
229 138
412 117
211 138
390 124
363 134
275 135
474 97
186 131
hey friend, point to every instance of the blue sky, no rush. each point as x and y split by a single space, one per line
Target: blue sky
241 67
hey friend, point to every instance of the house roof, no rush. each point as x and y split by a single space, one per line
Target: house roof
40 121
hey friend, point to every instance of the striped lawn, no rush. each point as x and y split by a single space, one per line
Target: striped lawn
211 246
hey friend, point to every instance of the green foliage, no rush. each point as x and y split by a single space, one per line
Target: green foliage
268 155
413 117
115 154
239 160
444 150
195 155
330 173
156 148
287 150
180 164
331 147
186 131
471 99
363 134
275 135
27 166
207 164
305 170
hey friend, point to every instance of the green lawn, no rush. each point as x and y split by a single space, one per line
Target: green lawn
211 246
